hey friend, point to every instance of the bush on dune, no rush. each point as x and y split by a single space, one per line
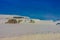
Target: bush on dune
12 21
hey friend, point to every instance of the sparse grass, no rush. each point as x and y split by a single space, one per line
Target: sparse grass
19 21
32 21
49 36
12 21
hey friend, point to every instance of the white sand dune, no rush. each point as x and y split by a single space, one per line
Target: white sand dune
19 29
29 32
41 30
50 36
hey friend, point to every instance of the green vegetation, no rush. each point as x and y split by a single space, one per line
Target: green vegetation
20 21
32 21
12 21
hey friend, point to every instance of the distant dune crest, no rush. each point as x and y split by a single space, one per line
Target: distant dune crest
13 19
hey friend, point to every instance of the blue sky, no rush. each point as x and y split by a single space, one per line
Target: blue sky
42 9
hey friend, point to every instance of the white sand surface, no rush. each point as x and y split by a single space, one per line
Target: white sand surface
29 32
49 36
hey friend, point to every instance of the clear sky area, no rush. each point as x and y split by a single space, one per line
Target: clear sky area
42 9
